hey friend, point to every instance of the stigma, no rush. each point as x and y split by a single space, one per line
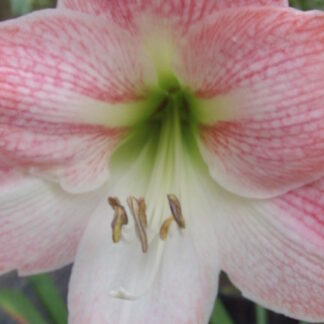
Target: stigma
137 208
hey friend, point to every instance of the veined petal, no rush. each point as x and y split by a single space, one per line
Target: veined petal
90 58
160 24
42 146
184 10
273 250
40 224
259 76
76 157
177 285
179 16
61 92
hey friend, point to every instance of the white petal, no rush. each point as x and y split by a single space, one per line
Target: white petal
176 280
273 249
40 224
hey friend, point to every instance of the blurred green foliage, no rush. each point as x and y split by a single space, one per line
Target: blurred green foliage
307 4
220 314
14 8
50 298
19 7
19 307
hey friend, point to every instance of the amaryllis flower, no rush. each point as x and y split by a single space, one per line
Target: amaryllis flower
155 143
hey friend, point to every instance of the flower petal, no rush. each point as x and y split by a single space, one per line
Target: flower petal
259 76
40 224
77 159
55 68
60 91
188 8
181 15
273 250
182 290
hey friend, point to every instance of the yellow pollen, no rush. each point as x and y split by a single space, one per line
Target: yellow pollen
165 228
137 210
120 218
142 204
176 210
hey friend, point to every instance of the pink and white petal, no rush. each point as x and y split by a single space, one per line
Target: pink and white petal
40 224
238 3
103 7
182 13
181 291
87 174
51 73
273 250
60 89
76 157
259 76
46 145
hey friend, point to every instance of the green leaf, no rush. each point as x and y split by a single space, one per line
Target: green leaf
307 4
20 7
50 298
220 314
260 314
19 307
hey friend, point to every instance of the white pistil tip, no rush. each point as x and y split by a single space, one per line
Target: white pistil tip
122 293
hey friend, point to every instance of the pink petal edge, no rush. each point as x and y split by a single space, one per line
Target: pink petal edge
102 7
262 78
273 250
55 84
182 14
40 225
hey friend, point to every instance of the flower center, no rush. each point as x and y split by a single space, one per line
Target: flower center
158 151
138 210
152 174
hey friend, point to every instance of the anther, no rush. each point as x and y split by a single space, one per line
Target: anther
165 228
176 210
136 207
142 204
114 202
120 218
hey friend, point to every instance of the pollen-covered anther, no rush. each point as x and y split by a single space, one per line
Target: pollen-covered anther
138 208
165 228
120 218
176 210
142 204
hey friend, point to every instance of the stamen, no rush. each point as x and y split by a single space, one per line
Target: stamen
143 210
117 223
137 212
176 210
165 228
114 202
120 218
